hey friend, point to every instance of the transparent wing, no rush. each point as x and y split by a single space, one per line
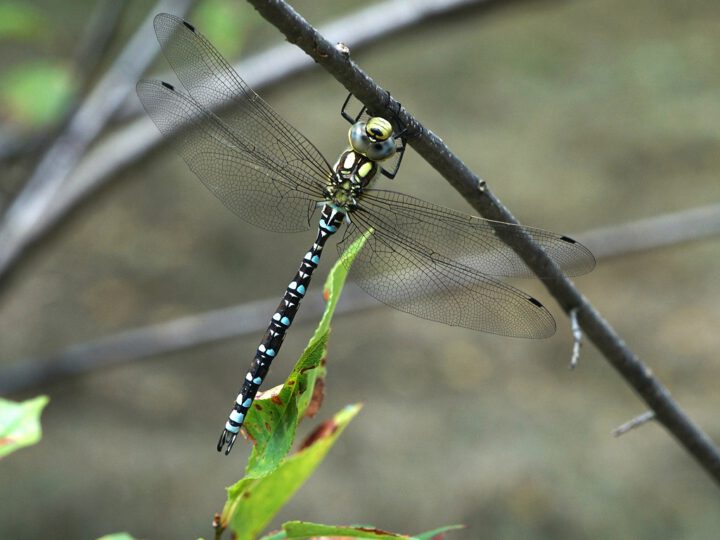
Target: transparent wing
211 80
468 240
402 274
259 188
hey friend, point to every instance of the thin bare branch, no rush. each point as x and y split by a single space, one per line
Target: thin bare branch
95 42
654 232
16 145
636 422
297 30
174 335
577 338
26 215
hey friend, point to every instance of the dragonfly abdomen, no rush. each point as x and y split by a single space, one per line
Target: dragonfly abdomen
330 219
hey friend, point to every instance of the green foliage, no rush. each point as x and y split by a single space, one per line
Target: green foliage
272 476
19 21
303 529
224 23
253 502
272 421
20 423
117 536
35 94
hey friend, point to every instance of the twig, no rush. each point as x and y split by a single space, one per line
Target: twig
636 422
654 232
95 41
177 334
474 190
235 321
577 338
26 213
93 45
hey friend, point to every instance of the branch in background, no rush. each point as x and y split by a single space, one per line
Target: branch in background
654 232
26 215
18 148
475 191
171 336
635 423
95 42
357 30
470 186
129 144
251 318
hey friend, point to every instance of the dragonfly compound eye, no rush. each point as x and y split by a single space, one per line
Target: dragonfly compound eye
373 139
381 149
378 128
359 139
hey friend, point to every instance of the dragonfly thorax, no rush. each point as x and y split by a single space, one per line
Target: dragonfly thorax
353 173
357 167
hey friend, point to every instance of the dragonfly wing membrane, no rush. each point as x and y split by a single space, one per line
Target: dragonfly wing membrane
213 83
401 274
469 240
247 181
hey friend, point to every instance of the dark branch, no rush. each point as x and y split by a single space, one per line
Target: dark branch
474 190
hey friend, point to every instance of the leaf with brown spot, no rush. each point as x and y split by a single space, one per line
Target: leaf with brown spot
317 398
272 423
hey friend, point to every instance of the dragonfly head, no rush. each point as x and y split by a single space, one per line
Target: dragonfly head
373 139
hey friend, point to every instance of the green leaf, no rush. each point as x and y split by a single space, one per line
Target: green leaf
278 535
19 20
224 23
35 94
253 502
118 536
304 529
20 423
274 416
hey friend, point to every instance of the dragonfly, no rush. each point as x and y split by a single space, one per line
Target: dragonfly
420 258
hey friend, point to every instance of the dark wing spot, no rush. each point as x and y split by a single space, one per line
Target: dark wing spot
535 301
568 240
168 85
189 26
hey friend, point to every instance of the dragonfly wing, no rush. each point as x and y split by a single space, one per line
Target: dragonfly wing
471 241
211 81
400 273
249 182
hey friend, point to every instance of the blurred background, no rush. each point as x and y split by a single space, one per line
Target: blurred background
579 115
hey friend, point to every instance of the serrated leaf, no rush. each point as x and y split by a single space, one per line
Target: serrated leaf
253 502
20 423
304 529
272 421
